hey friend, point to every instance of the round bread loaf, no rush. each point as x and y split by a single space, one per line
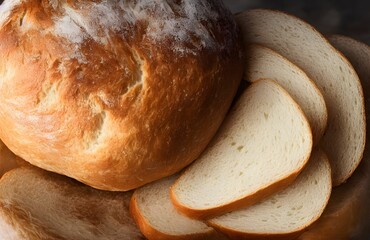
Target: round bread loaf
114 93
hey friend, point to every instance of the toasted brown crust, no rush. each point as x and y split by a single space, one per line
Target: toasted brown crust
151 233
120 114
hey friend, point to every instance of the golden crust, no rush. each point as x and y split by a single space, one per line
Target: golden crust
121 110
238 204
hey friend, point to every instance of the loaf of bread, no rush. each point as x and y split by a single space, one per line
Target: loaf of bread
115 94
119 95
260 149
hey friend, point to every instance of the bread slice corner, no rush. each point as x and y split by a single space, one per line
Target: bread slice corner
157 218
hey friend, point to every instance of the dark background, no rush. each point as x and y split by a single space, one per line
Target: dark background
348 17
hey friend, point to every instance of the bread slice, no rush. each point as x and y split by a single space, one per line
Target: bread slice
348 211
261 147
262 62
358 54
38 205
287 213
157 218
344 139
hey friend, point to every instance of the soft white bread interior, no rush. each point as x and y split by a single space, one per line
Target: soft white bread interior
344 139
157 218
261 147
358 53
115 94
287 213
39 205
348 211
262 62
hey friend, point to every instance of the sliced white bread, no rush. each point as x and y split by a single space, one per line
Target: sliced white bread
348 211
154 213
38 205
358 54
286 214
261 147
262 62
299 42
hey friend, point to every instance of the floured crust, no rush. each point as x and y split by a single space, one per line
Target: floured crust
115 101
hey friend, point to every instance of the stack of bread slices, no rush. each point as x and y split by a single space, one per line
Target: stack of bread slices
294 134
279 161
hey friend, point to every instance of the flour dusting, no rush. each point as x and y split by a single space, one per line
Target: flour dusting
182 22
68 28
54 3
182 28
6 9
